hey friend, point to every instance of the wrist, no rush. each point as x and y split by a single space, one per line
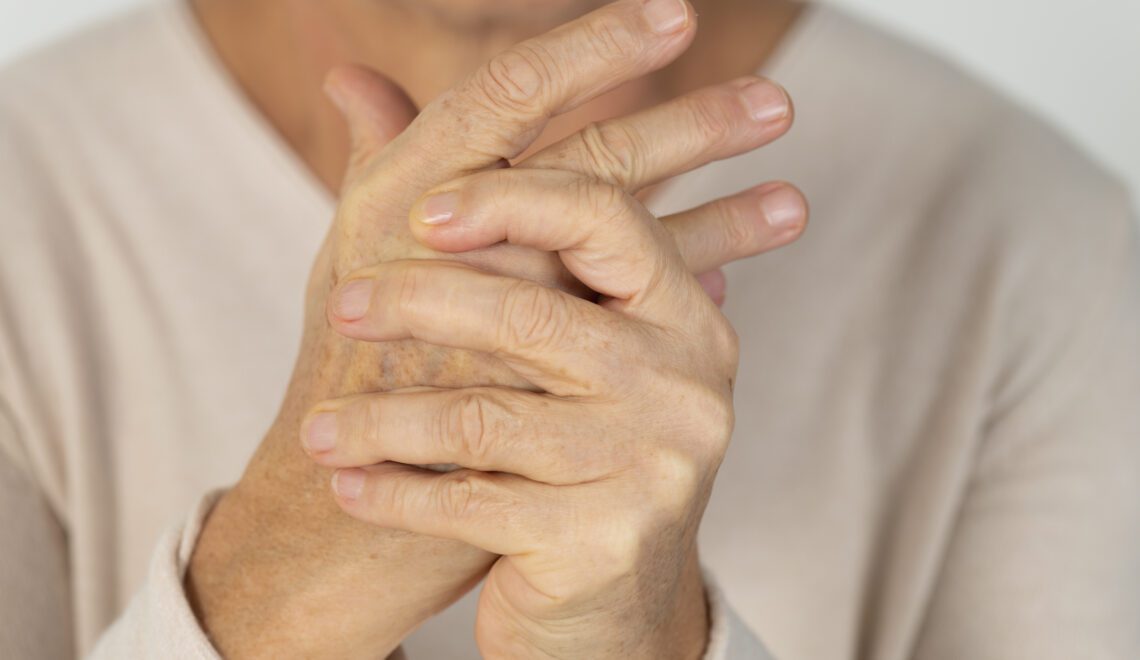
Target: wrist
280 571
266 579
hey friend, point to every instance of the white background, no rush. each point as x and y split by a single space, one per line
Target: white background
1075 61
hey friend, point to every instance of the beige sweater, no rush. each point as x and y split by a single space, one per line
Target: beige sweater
938 446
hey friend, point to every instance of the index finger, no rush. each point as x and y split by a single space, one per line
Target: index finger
498 111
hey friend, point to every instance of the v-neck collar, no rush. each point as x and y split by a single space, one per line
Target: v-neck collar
277 156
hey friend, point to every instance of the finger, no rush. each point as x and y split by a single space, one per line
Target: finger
375 109
714 284
560 343
543 438
746 224
598 228
501 108
500 513
605 237
675 137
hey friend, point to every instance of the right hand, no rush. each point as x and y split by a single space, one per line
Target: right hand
279 569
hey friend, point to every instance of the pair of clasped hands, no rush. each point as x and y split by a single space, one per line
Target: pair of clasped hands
537 327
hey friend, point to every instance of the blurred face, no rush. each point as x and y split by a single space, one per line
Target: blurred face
504 11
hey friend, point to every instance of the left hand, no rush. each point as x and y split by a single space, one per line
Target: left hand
591 490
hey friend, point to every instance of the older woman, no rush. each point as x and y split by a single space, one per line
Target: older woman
937 442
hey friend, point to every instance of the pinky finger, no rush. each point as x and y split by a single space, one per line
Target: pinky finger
743 225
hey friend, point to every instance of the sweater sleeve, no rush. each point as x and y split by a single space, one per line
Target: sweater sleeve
158 622
36 618
1044 561
729 637
36 621
35 612
40 586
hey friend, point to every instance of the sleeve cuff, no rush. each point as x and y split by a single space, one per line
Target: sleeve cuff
158 622
729 637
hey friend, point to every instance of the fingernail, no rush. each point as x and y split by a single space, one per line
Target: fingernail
349 483
666 16
353 300
766 102
321 434
783 208
440 208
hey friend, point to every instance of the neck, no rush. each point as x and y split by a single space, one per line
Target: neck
279 50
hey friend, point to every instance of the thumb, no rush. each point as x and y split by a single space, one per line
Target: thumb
375 109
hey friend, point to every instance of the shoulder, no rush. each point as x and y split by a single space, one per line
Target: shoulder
82 65
70 101
58 106
950 202
907 108
88 119
919 143
70 114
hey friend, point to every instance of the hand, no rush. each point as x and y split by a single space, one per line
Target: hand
593 488
278 569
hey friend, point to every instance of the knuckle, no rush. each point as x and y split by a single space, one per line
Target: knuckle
710 123
672 468
712 417
513 80
681 480
736 232
408 284
619 548
724 419
494 190
363 427
465 429
532 316
603 204
459 495
727 343
610 151
612 39
700 423
394 499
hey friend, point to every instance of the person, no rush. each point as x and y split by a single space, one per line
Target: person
937 445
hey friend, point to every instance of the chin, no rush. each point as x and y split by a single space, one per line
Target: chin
508 11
